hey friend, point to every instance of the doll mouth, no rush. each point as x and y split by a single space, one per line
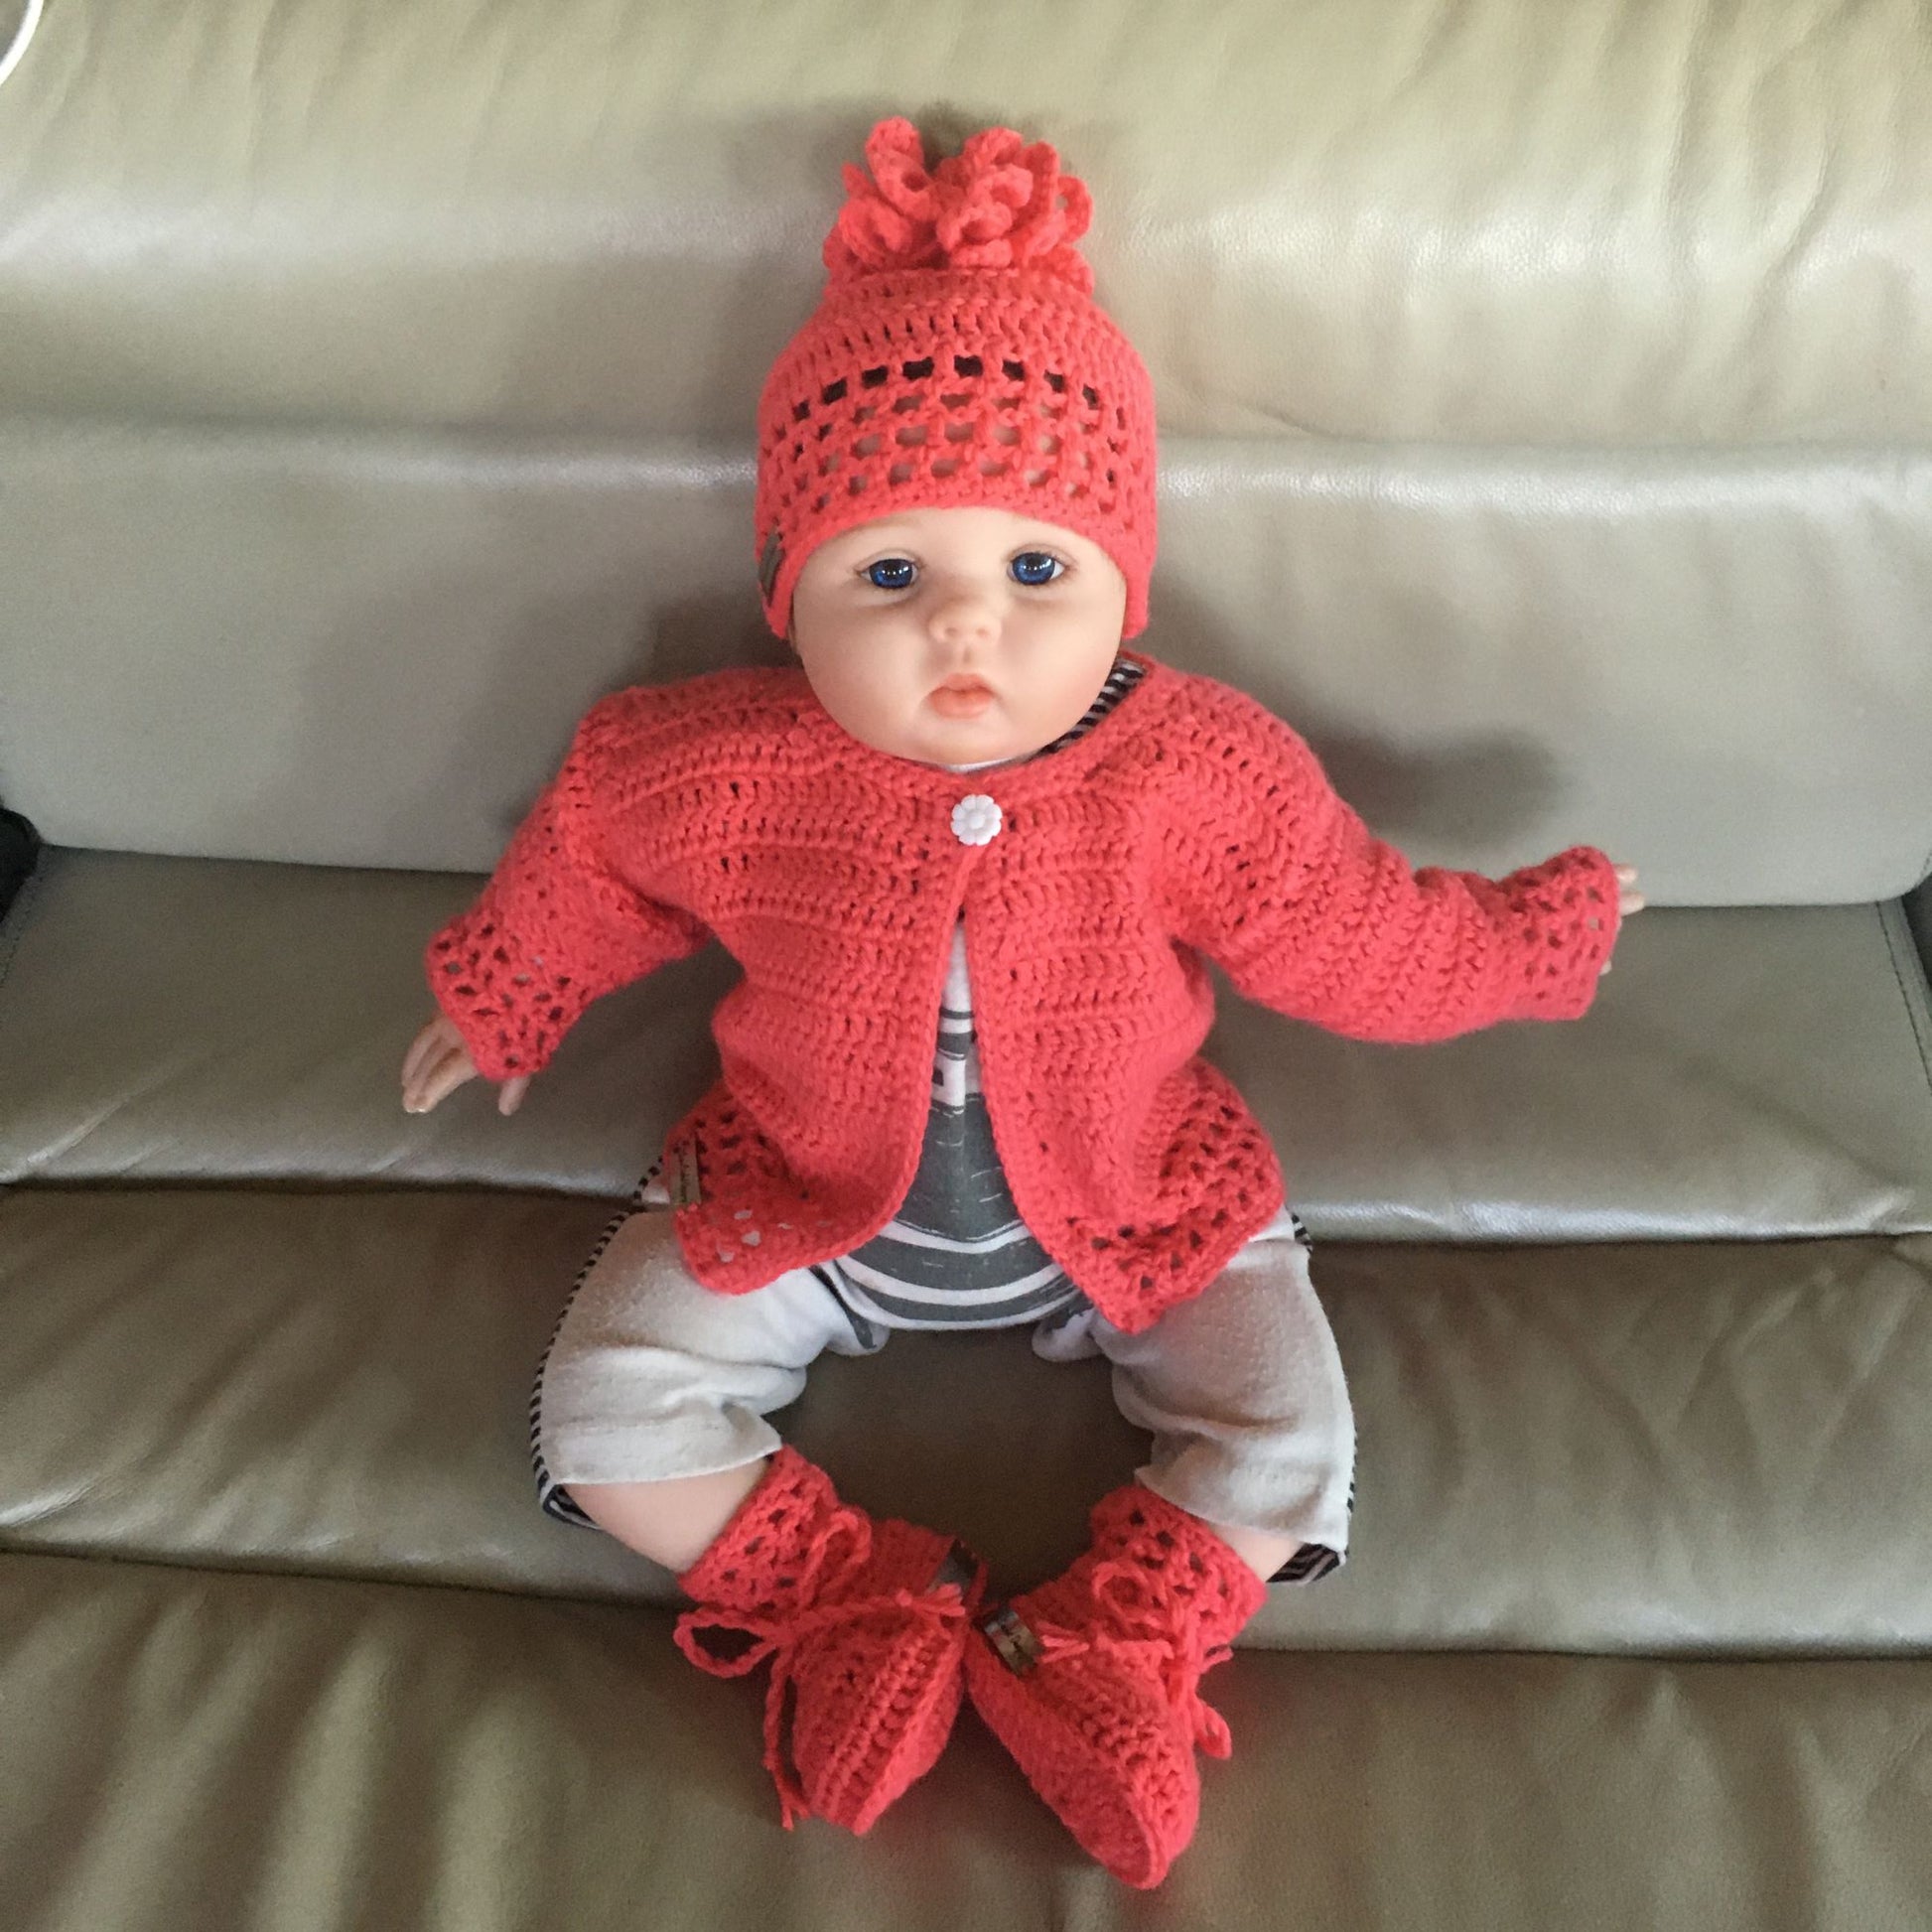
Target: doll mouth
961 697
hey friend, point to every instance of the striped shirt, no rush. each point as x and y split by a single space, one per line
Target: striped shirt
956 1254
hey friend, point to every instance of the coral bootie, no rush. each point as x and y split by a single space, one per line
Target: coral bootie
863 1620
1091 1681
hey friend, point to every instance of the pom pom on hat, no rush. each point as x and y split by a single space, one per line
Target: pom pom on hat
956 357
997 204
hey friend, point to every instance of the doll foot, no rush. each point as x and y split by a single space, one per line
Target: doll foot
864 1622
1091 1681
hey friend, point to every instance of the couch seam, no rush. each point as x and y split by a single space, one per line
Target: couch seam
342 1187
637 1606
1887 927
353 1579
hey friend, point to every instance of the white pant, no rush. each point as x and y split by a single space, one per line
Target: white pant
651 1376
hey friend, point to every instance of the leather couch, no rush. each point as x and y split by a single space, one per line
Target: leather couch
1546 431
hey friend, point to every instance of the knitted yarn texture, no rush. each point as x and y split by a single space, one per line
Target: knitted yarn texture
1190 822
956 357
863 1620
1092 1682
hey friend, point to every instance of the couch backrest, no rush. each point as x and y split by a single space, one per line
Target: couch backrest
1574 487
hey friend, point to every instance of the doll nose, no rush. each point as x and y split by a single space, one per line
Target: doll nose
965 617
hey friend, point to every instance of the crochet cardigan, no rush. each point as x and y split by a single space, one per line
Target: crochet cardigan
1189 821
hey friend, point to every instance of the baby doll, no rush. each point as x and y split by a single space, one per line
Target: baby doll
970 853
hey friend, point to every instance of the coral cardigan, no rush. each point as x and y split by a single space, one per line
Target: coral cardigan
1189 821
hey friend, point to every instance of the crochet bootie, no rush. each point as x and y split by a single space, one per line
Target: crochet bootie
1091 1681
864 1622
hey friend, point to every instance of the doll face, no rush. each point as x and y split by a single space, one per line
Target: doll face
957 636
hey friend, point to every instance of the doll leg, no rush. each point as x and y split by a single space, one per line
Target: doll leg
651 1422
649 1407
1092 1680
1243 1390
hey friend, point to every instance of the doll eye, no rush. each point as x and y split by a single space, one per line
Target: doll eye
1031 567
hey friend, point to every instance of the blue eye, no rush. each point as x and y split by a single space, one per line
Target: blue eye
1031 567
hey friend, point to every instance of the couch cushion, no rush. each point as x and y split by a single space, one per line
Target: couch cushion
1690 1447
1744 1072
337 1756
283 644
1611 220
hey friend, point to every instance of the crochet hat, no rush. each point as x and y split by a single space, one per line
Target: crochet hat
957 356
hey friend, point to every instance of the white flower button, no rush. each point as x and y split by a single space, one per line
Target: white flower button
976 818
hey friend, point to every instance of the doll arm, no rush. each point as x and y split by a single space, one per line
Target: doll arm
561 921
1272 874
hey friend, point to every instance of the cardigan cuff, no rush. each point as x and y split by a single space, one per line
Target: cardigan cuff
1569 911
510 1016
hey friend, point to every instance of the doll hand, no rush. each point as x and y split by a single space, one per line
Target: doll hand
1628 898
438 1062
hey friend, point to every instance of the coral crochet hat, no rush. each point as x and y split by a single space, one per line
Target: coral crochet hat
957 356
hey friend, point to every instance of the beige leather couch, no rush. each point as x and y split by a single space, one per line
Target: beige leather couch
1547 431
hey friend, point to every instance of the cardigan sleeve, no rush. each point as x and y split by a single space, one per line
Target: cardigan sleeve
1274 876
560 923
